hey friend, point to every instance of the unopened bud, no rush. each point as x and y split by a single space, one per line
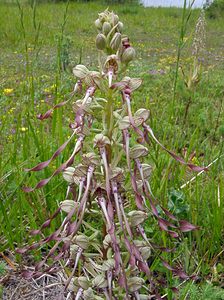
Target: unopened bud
80 171
106 28
114 19
83 282
128 55
135 283
93 78
137 217
73 250
132 83
138 121
90 159
103 16
80 71
139 185
138 151
68 205
147 171
108 265
100 41
101 140
142 113
120 27
141 116
124 123
135 83
68 174
76 105
116 41
82 241
100 282
117 174
98 24
140 243
88 294
145 252
107 241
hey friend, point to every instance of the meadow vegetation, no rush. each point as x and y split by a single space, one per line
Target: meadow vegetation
40 45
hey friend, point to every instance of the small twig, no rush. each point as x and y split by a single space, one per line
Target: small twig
68 296
46 275
46 287
36 283
14 292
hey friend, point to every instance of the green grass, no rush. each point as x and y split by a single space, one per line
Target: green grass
34 43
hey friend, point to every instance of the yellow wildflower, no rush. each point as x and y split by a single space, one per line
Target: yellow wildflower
11 110
47 90
44 76
7 91
50 89
195 161
53 86
23 129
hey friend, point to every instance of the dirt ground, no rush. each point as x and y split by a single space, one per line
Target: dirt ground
17 288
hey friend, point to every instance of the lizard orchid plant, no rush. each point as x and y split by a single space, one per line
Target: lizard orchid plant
108 258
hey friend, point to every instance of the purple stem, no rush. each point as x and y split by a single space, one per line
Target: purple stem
137 295
126 143
78 255
81 185
115 246
142 232
109 280
79 294
102 204
115 192
106 294
120 209
104 157
127 98
138 197
81 211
